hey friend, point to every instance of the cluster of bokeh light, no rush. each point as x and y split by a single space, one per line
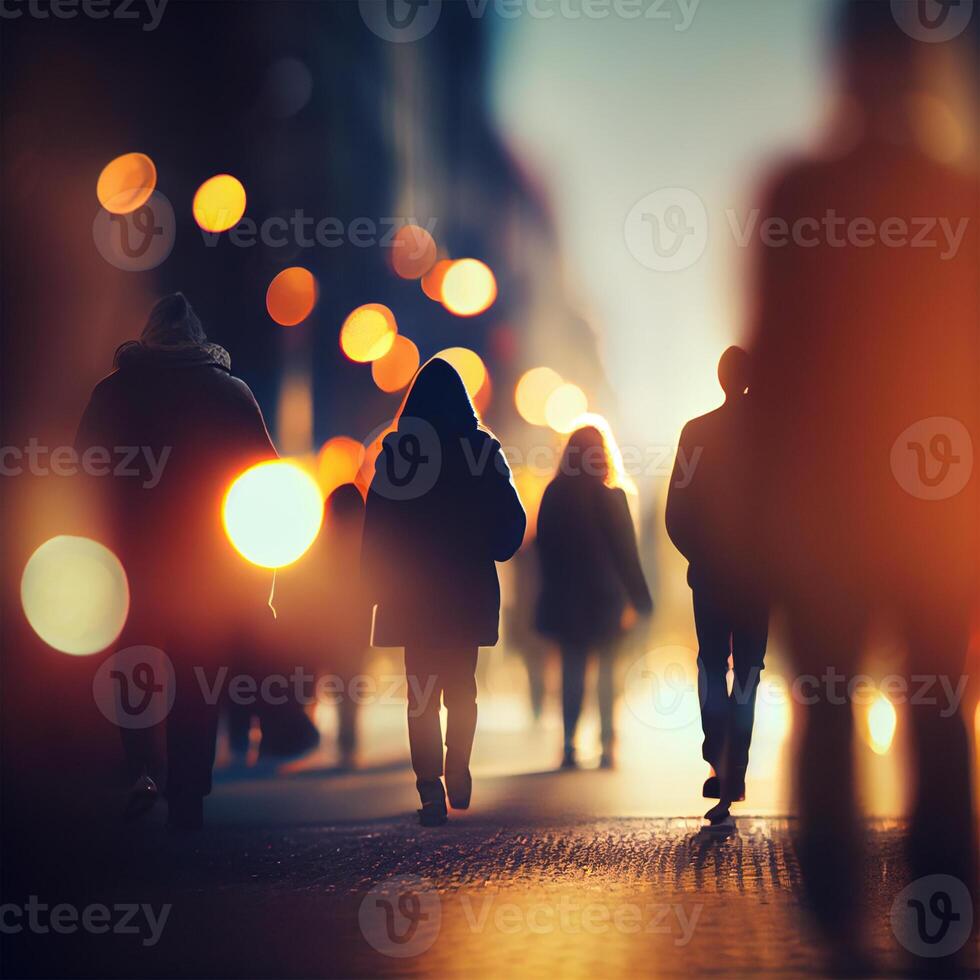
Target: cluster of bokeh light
544 398
272 512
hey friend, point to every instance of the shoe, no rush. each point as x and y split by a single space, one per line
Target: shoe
718 814
432 813
185 813
607 760
724 825
712 789
142 798
568 759
459 785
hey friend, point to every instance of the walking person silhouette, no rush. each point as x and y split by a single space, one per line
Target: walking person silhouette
590 574
709 521
441 510
191 594
865 355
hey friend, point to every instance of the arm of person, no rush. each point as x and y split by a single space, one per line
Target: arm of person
254 441
507 519
622 538
679 514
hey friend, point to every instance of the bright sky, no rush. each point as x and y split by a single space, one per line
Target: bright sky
607 111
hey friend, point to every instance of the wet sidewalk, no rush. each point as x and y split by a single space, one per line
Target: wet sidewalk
529 884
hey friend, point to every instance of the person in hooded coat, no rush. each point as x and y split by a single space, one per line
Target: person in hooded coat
441 510
191 594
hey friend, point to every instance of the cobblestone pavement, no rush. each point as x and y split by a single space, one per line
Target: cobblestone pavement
486 896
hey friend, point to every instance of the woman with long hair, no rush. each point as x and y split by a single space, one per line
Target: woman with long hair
442 509
590 575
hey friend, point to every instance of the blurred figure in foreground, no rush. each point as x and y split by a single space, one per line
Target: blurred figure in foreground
865 393
441 510
711 524
191 595
323 612
590 577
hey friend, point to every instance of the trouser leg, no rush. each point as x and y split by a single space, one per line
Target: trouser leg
714 647
607 694
192 728
459 694
424 729
749 640
573 662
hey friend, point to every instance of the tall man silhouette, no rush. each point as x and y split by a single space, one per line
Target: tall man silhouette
708 521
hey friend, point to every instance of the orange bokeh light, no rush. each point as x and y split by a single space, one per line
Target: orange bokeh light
565 406
126 183
339 462
432 280
533 390
468 287
368 333
413 252
397 368
219 203
469 365
291 296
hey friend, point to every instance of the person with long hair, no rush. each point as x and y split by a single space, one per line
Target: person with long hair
441 510
590 575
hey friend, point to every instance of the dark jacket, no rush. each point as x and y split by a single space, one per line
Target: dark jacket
428 556
590 566
207 427
711 516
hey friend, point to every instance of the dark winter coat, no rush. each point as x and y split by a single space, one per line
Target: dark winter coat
206 427
590 567
430 546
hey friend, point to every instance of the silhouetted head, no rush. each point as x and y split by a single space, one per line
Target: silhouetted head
586 455
173 323
733 372
876 55
344 506
439 397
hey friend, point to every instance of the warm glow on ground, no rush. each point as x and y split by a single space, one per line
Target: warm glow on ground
368 333
468 287
397 368
339 462
880 724
272 513
219 203
469 365
533 390
565 406
291 296
126 183
75 594
413 252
